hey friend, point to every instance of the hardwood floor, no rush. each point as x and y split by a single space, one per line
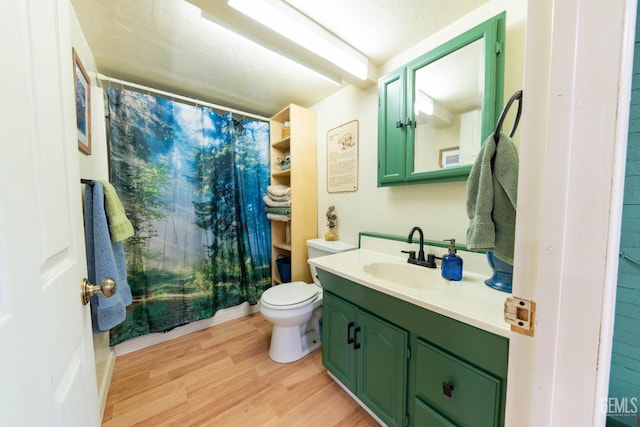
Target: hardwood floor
223 376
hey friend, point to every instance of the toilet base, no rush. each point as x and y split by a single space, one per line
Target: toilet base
289 345
295 332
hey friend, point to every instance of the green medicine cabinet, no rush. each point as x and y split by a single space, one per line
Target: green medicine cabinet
435 112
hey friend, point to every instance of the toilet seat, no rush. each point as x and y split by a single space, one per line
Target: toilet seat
289 296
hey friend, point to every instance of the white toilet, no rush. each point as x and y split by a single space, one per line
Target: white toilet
295 309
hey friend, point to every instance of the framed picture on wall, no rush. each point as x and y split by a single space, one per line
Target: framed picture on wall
83 104
342 158
449 157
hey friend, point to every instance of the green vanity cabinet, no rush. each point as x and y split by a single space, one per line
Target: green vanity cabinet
368 355
413 366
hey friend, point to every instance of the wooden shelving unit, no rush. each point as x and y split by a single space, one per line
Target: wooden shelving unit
302 178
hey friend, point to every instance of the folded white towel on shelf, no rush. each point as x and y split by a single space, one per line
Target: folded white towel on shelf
280 198
276 203
279 190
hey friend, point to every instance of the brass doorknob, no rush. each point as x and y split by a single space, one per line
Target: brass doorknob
87 290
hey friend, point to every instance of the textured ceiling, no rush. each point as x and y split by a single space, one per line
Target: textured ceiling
166 44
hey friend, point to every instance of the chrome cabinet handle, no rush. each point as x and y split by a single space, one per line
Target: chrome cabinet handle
87 290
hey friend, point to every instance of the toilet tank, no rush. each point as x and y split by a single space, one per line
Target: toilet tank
321 247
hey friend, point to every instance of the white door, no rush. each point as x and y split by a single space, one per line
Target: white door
47 373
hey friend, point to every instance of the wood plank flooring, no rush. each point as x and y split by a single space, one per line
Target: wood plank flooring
223 376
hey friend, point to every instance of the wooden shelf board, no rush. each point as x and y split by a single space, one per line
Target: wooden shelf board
283 143
283 246
281 173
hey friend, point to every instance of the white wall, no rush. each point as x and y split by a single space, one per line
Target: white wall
94 166
438 208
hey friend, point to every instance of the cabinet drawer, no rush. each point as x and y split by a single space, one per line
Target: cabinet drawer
466 395
424 415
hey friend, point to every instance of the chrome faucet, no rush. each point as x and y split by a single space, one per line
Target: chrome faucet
430 261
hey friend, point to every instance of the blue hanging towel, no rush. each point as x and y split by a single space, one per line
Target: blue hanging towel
104 259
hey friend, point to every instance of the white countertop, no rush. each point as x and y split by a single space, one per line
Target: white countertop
469 300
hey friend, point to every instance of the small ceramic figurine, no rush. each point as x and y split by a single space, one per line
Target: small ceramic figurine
332 221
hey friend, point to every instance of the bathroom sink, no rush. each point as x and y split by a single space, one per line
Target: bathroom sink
406 274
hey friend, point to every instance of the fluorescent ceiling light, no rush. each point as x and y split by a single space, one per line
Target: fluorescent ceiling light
238 33
435 110
297 27
424 103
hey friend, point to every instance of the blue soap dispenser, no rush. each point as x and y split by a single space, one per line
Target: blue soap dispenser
452 263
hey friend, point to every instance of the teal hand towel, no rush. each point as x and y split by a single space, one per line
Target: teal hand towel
120 227
492 197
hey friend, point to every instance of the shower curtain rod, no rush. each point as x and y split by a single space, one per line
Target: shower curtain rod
180 97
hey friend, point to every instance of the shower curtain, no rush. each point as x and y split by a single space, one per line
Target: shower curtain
191 181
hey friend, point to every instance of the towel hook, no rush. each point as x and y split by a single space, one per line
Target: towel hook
516 96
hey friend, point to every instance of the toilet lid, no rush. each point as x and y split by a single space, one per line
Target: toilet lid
290 294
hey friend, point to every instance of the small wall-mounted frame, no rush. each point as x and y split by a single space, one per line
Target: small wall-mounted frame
83 104
449 157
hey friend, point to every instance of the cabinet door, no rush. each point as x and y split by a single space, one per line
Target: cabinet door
382 368
338 326
391 128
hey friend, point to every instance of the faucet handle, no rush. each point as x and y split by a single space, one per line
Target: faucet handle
431 261
412 254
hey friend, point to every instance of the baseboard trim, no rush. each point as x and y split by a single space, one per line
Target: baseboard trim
358 401
103 387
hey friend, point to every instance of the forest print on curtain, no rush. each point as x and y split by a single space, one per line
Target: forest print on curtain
191 182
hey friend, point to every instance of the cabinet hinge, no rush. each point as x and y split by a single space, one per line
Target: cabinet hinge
498 47
408 352
407 421
520 314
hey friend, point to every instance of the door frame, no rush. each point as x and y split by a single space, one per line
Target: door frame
578 69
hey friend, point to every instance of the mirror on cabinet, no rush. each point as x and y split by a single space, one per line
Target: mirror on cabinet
436 111
447 108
